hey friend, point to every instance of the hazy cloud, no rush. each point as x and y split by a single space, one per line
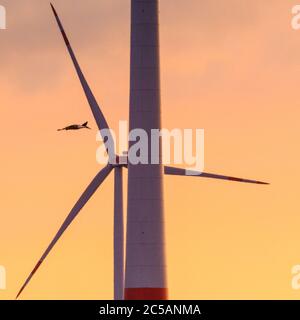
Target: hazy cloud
31 45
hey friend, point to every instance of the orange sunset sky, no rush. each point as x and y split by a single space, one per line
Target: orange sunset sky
231 67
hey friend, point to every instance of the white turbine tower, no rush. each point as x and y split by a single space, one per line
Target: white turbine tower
145 272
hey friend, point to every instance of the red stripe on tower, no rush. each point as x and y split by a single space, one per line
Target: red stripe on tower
146 294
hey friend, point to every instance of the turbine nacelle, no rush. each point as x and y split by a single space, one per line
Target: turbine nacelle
121 161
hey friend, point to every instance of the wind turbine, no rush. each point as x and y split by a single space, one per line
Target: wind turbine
145 271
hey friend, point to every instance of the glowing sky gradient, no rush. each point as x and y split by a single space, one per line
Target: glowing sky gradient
231 67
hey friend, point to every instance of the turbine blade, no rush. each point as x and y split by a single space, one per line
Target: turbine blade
118 236
93 186
182 172
97 113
